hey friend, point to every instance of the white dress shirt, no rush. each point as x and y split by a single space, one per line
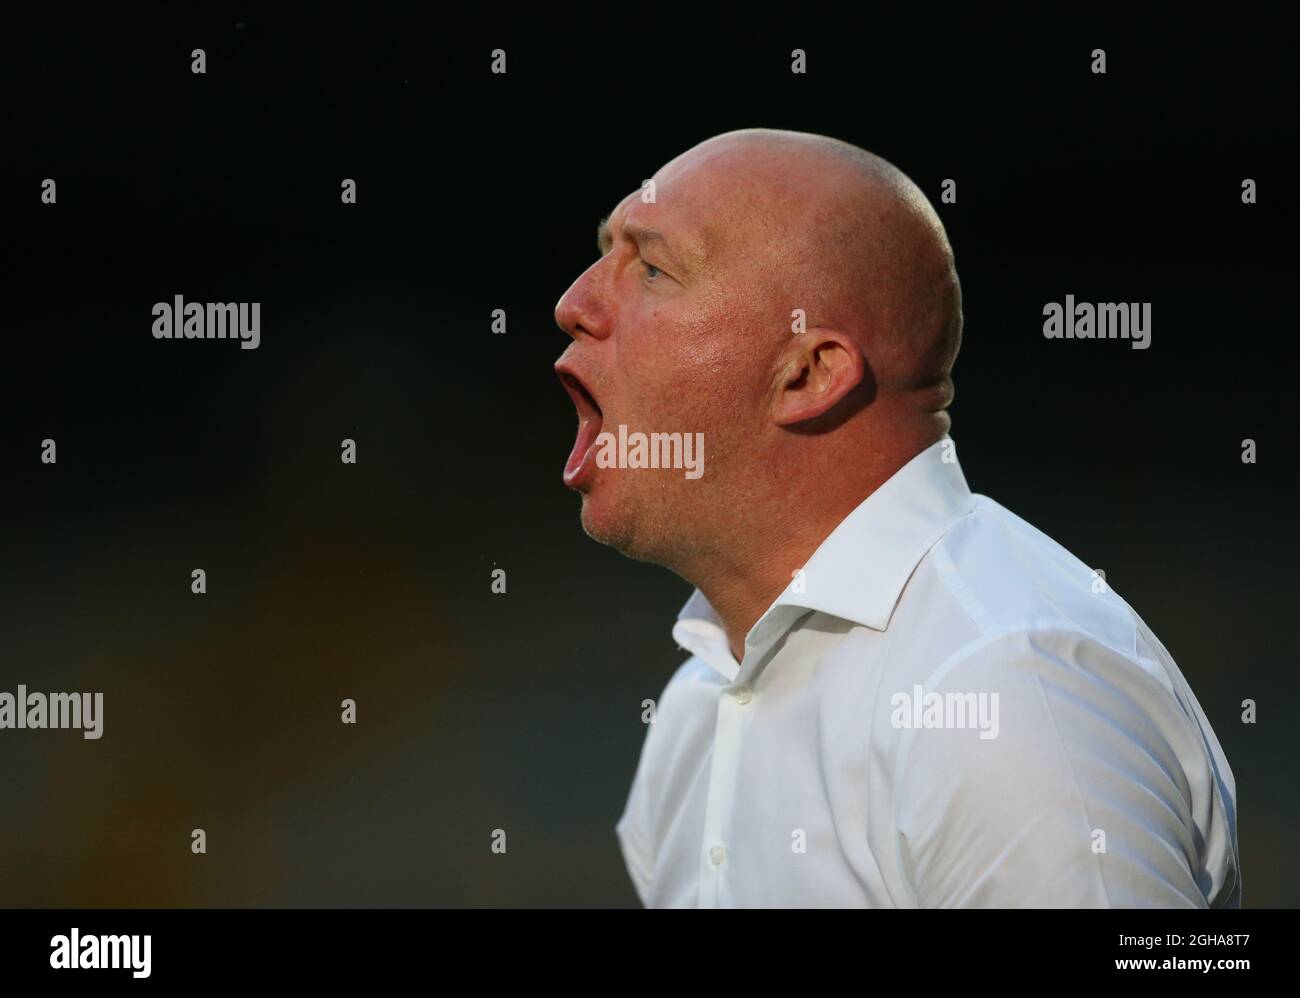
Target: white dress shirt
946 708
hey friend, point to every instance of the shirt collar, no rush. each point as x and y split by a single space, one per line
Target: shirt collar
859 571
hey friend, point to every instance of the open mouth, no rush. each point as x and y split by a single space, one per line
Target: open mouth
589 422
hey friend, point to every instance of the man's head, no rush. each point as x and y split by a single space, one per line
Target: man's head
690 322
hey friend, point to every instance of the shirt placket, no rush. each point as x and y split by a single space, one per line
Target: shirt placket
728 742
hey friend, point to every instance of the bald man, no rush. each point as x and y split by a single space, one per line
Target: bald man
899 694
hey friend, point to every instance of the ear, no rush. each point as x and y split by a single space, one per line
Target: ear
818 369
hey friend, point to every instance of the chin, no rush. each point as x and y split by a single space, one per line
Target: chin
600 523
606 523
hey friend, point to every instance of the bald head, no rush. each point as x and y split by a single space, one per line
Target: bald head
789 297
848 237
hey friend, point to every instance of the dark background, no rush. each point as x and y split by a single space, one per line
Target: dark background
475 192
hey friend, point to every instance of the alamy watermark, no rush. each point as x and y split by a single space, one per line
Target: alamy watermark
920 709
213 320
93 952
1103 321
653 450
75 711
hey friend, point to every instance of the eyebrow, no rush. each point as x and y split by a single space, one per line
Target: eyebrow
638 234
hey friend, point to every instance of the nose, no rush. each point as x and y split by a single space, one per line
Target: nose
583 310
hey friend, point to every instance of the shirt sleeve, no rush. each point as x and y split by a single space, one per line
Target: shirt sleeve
637 867
1072 793
634 826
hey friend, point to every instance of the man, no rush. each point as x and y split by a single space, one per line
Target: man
899 693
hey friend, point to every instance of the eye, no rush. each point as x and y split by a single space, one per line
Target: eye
651 270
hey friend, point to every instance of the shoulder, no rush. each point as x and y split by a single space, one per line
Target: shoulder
998 600
1004 575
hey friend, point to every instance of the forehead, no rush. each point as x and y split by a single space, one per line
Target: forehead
678 213
723 197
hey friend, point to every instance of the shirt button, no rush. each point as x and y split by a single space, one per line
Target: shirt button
743 693
716 855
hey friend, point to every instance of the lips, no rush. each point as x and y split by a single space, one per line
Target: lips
581 459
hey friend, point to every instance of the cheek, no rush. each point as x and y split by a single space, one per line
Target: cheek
673 385
719 362
687 369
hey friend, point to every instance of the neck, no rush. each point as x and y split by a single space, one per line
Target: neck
773 525
745 574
